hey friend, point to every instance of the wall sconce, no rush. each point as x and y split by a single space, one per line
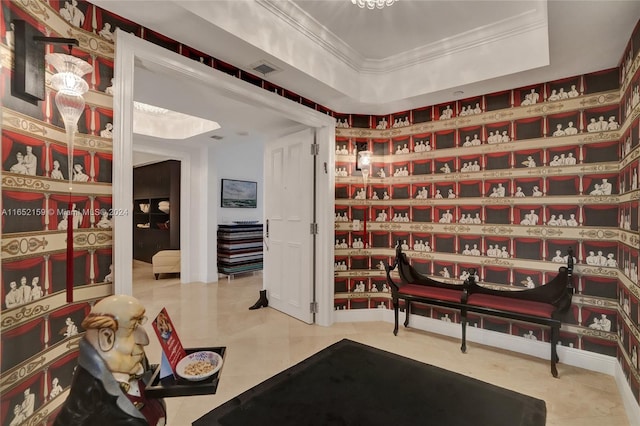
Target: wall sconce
69 86
364 164
29 84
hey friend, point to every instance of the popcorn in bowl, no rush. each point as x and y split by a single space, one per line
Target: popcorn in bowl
199 365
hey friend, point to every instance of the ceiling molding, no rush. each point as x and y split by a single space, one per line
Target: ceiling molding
523 23
298 19
305 24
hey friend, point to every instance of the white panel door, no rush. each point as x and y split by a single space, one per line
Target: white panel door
288 202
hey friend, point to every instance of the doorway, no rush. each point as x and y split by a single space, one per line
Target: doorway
198 234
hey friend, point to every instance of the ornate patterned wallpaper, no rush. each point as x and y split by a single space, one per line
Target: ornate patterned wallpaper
488 160
504 183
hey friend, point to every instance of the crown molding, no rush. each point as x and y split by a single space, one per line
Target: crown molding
305 24
294 16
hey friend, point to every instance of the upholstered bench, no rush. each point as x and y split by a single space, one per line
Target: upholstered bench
541 305
166 262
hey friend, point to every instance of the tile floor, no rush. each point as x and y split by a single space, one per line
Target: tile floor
264 342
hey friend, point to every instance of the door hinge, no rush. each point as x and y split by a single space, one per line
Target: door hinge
315 149
313 229
313 307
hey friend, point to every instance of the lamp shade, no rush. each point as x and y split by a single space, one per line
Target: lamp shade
69 85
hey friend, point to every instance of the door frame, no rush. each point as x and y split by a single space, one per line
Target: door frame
131 48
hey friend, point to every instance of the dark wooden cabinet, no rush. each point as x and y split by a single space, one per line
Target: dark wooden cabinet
156 209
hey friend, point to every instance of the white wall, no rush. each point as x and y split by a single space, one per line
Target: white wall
241 160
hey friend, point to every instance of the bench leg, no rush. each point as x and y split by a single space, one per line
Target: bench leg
407 311
395 315
463 322
554 351
157 276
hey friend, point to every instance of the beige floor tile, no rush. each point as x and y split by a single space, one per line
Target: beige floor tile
263 342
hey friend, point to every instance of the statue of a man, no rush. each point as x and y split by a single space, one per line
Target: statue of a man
107 388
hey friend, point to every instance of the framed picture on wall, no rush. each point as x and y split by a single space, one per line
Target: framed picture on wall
239 194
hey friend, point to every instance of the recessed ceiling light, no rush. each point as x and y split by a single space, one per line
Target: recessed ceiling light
242 133
458 93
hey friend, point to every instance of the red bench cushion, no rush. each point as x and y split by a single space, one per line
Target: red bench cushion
430 292
525 307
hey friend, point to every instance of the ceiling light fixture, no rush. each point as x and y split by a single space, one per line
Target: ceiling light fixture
373 4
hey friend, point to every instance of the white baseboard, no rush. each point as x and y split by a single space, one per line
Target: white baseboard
576 357
361 315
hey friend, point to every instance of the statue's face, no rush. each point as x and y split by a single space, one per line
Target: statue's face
122 349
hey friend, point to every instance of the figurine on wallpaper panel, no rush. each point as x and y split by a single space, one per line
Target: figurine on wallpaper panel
109 89
72 13
106 32
17 296
109 277
107 132
445 273
603 188
530 218
358 243
342 151
528 282
22 411
445 168
422 194
382 216
603 324
422 146
342 124
26 164
402 149
447 113
530 98
56 389
78 173
446 217
70 329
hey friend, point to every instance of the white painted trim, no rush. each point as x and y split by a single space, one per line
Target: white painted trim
628 399
123 165
129 49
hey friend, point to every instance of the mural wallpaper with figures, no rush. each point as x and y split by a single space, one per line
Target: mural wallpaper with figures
40 330
502 183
